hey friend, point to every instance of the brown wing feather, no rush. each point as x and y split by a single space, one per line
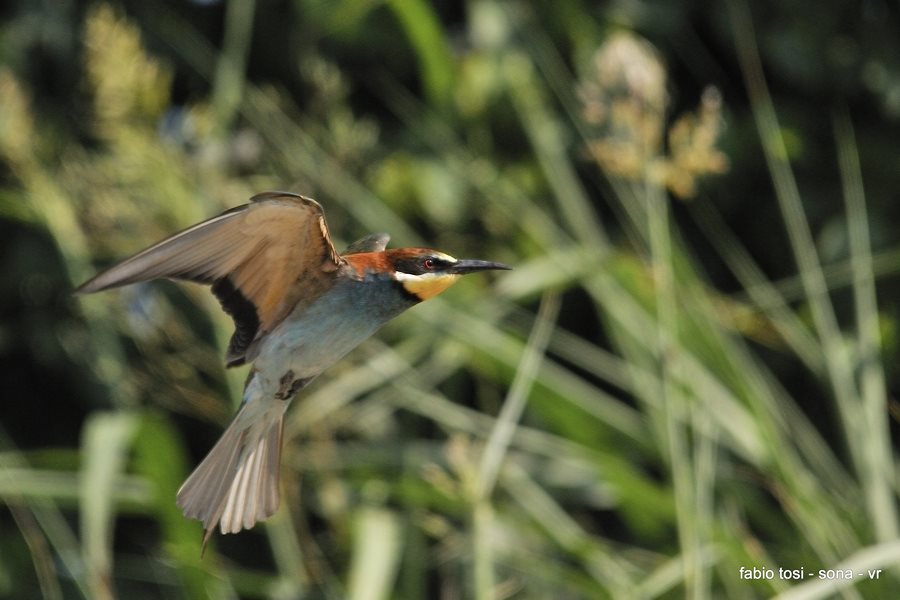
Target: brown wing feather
261 258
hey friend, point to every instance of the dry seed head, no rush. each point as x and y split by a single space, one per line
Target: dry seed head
623 95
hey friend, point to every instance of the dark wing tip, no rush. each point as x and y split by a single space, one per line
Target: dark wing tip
92 285
83 289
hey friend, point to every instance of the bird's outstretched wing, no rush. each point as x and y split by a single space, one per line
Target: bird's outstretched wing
260 258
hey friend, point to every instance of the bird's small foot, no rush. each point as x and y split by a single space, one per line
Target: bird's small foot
288 386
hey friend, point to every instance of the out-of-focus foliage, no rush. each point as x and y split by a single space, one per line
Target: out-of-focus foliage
624 99
659 395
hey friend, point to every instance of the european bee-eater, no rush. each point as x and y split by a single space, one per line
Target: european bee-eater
298 306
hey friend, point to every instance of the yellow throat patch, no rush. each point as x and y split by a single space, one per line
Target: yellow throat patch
428 285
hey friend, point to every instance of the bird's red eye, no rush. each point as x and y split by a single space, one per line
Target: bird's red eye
428 263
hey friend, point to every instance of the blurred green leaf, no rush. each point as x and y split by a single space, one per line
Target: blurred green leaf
105 448
375 555
160 456
430 44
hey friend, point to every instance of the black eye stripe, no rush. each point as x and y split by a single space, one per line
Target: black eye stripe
420 265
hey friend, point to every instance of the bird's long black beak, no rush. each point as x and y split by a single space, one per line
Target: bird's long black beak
461 267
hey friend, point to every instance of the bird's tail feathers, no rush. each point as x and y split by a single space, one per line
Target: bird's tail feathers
236 485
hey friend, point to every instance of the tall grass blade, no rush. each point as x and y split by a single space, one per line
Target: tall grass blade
432 51
527 371
499 440
878 477
105 447
839 371
376 555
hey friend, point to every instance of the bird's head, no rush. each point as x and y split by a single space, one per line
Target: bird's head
425 273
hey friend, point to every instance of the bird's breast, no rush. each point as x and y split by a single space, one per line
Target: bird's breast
317 334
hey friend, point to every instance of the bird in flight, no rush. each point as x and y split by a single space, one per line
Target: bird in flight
298 307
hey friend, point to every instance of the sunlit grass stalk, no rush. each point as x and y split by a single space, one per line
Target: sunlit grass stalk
105 446
675 409
376 554
704 462
878 477
483 580
41 556
775 411
834 347
287 553
499 440
507 421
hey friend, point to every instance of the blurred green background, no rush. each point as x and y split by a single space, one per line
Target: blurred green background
691 370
